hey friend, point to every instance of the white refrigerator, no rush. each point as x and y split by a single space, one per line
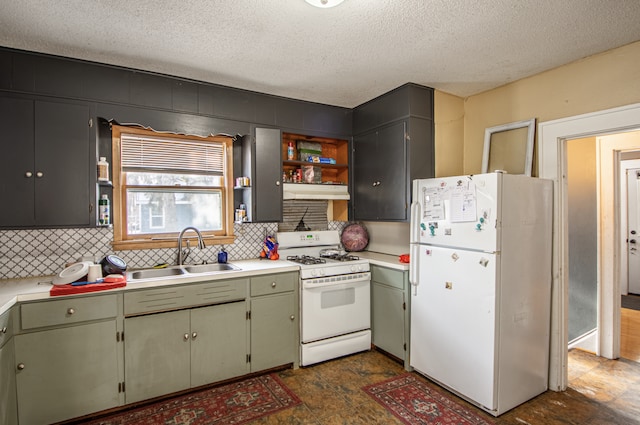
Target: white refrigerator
481 286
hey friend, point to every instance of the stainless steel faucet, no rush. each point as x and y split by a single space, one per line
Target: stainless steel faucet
200 242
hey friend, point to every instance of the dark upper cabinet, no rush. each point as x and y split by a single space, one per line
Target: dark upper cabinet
393 144
259 157
378 189
266 175
16 162
47 164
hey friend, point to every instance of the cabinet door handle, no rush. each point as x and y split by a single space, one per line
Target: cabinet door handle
70 311
4 330
273 284
39 174
292 317
28 174
194 335
277 183
186 337
20 366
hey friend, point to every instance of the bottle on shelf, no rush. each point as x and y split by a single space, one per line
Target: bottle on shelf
104 210
290 152
103 169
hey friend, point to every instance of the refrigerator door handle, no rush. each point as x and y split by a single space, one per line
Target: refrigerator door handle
414 224
414 271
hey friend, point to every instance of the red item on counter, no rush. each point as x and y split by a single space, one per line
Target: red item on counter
69 289
404 258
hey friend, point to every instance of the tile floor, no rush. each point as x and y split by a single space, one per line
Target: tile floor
601 391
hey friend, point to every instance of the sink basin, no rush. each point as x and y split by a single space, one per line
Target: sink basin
207 268
176 271
153 273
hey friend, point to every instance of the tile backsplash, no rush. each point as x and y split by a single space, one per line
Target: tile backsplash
44 252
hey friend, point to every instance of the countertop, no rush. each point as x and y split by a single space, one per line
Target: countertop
384 260
37 288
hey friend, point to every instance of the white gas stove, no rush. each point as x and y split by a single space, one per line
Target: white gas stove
334 295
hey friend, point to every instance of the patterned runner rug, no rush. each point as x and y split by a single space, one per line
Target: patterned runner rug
416 402
235 403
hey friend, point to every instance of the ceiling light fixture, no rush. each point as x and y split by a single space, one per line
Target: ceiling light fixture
324 3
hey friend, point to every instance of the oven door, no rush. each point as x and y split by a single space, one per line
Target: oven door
335 306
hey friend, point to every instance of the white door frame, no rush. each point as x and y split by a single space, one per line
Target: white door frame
553 165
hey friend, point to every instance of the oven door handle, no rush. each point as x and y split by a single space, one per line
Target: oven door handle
306 284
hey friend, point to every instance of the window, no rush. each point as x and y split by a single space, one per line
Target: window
166 182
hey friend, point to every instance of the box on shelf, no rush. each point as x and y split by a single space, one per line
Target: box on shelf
320 160
311 174
308 149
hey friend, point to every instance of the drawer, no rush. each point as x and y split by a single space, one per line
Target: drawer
6 326
387 276
273 284
184 296
68 310
217 292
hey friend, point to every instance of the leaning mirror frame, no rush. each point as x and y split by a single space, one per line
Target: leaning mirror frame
528 160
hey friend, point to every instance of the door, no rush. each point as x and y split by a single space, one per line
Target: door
63 159
379 174
16 162
633 227
266 180
457 211
331 309
65 373
218 343
272 331
453 316
156 355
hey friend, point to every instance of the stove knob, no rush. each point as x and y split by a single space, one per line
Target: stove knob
353 269
321 272
314 273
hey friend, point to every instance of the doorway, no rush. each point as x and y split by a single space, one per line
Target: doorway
552 154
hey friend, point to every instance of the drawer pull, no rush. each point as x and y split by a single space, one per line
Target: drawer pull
20 366
194 335
70 311
186 337
4 330
273 284
292 317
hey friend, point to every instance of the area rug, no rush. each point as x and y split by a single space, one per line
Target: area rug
631 302
415 402
235 403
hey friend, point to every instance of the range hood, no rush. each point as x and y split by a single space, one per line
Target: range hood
315 191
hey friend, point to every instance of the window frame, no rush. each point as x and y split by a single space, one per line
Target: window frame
122 240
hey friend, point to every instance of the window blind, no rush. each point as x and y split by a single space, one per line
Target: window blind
174 155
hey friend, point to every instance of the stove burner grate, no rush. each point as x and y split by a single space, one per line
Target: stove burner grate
341 257
306 259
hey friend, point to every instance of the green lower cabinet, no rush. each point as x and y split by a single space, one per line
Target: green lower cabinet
8 404
390 311
67 372
218 343
156 355
273 331
174 351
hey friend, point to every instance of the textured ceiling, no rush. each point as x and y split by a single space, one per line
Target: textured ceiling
342 56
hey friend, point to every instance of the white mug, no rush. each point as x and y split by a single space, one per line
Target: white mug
95 272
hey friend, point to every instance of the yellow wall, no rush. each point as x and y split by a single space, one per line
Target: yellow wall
603 81
449 134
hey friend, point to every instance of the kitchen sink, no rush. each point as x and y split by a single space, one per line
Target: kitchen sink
206 268
177 271
154 273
